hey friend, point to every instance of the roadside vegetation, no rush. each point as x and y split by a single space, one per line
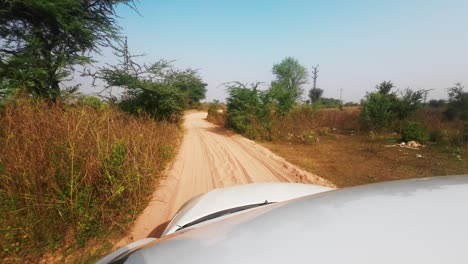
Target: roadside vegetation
216 113
155 89
351 143
76 170
71 173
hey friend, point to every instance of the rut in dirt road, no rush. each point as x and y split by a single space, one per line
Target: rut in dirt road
213 157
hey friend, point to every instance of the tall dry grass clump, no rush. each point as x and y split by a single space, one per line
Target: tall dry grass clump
217 114
346 119
440 129
301 120
68 174
306 120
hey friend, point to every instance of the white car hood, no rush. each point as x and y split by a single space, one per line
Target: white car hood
412 221
240 195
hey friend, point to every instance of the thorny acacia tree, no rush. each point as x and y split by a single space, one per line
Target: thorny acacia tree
155 89
41 40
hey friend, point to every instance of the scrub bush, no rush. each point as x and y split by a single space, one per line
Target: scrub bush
414 132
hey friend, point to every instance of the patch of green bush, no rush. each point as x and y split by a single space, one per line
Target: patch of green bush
384 109
159 101
157 90
251 111
330 102
415 132
244 106
378 111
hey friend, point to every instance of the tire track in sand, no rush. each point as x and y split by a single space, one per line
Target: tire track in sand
212 157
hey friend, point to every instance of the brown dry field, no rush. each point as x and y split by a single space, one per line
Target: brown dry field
351 160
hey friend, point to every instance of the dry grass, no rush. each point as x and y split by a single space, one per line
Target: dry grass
342 120
217 114
433 120
69 174
304 119
330 143
301 120
353 160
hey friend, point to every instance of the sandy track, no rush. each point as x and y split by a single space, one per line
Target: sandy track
212 157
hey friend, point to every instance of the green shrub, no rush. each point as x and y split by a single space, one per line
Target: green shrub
384 110
189 84
159 91
159 101
330 102
243 105
377 112
414 132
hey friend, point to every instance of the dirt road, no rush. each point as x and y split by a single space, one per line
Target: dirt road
212 157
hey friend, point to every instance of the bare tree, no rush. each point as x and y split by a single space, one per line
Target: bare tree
426 93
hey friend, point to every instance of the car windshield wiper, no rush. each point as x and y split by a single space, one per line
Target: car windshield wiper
222 213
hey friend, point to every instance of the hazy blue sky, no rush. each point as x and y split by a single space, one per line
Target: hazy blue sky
418 44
